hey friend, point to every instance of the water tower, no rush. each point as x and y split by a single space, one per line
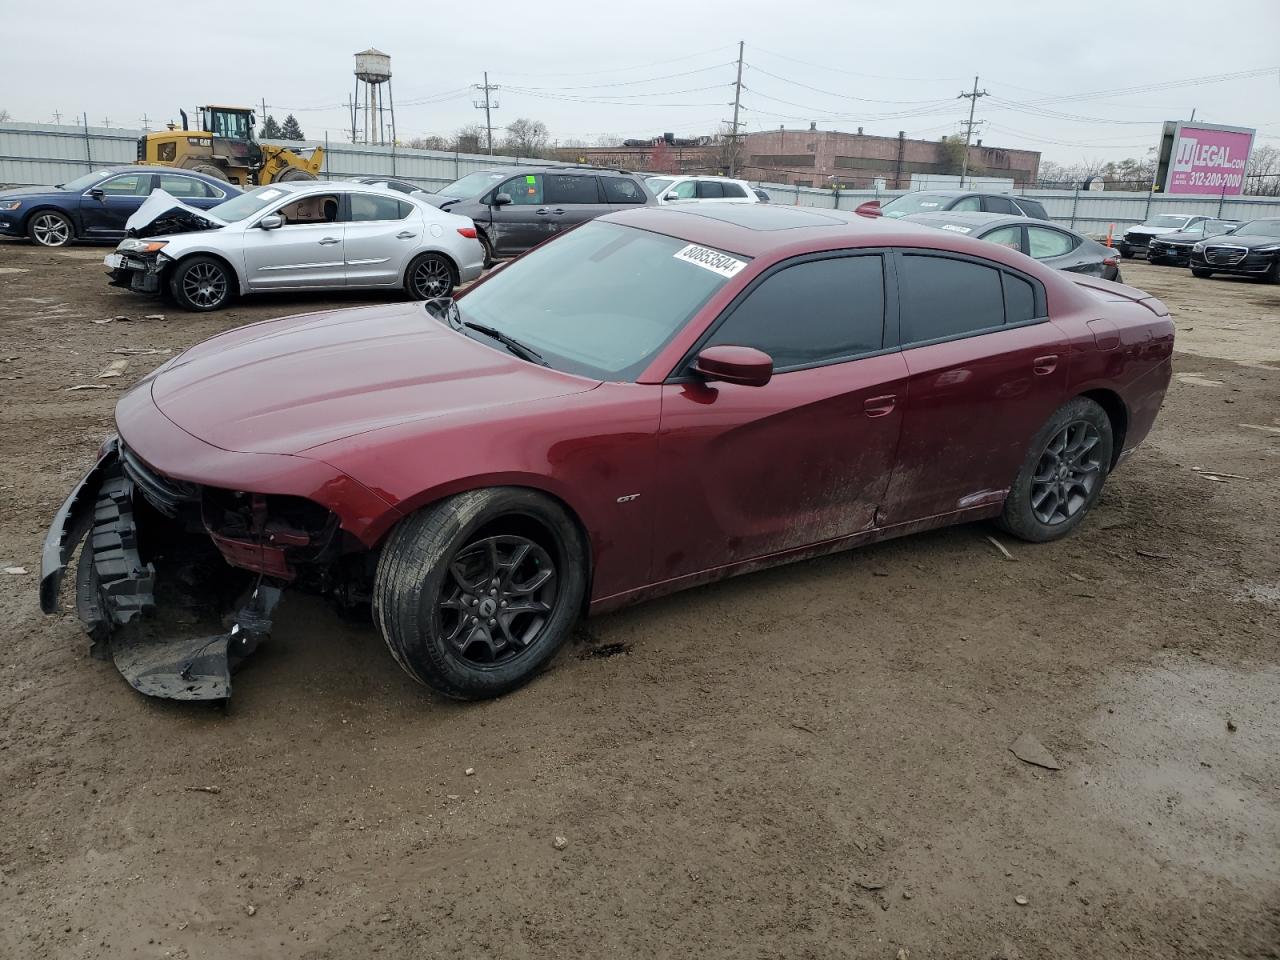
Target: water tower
373 69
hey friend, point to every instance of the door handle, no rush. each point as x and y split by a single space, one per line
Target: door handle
879 406
544 211
1043 366
405 235
329 240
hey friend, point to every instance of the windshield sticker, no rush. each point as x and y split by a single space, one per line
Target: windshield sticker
955 228
531 178
929 204
271 194
709 259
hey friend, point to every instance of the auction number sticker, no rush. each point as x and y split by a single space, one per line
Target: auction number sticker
709 259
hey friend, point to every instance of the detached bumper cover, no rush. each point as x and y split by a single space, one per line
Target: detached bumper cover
115 594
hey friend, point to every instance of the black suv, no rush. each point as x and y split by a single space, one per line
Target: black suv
516 208
959 201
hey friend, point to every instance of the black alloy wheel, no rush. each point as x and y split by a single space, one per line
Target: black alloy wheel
1067 474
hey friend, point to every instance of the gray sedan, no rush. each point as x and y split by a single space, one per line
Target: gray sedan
1053 245
295 236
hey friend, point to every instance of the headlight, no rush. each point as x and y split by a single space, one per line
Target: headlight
1198 248
10 204
1273 248
141 246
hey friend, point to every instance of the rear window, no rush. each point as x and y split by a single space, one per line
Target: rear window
622 190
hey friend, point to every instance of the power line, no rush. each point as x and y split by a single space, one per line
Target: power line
832 93
651 63
632 83
854 73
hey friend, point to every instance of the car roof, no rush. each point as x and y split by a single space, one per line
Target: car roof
754 229
968 218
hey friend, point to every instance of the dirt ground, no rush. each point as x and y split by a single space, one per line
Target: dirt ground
808 762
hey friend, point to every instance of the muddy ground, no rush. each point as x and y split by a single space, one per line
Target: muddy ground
808 762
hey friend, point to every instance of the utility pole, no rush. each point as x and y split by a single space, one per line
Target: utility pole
146 121
968 130
263 117
57 117
737 103
351 106
486 105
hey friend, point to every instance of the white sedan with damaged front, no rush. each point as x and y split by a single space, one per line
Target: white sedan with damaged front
294 236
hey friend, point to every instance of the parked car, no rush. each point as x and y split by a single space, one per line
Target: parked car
95 207
1175 248
294 236
390 183
1135 239
701 189
1052 245
955 201
655 400
1252 249
517 208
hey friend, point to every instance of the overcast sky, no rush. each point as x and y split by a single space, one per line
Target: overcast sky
637 70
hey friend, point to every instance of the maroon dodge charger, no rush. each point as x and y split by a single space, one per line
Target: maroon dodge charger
654 400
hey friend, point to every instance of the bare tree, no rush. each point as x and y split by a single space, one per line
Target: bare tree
5 116
430 142
728 143
526 138
468 138
1262 177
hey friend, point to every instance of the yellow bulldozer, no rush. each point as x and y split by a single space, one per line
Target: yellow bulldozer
226 147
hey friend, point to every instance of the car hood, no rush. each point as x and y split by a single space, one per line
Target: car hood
162 214
1181 236
284 386
1248 242
22 193
441 201
1151 231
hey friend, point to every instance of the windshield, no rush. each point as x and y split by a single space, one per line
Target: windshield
1214 227
472 185
87 181
245 205
1259 228
1166 220
913 203
599 301
658 184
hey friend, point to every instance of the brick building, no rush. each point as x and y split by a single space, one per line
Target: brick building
819 158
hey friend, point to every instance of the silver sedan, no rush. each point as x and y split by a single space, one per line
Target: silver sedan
294 236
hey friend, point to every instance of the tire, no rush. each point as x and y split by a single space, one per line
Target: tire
1201 272
434 567
202 284
489 260
292 174
49 228
1125 252
210 170
1071 455
429 276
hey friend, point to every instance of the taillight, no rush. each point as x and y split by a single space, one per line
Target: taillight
468 232
1110 261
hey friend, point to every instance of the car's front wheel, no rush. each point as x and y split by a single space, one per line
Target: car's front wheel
475 594
49 228
1063 474
1125 252
201 284
1201 272
429 276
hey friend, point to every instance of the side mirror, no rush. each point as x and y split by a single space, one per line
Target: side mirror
501 199
672 197
746 366
97 193
870 208
272 221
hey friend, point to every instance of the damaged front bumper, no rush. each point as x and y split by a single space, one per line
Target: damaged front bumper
116 592
139 274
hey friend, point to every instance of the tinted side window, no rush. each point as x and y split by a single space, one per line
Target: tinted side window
1019 299
941 297
1043 242
366 206
622 190
177 186
732 190
1033 208
812 312
709 190
566 188
1000 205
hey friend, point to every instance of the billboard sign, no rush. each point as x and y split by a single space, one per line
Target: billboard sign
1204 158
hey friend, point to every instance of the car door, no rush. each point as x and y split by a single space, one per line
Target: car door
306 252
572 198
986 369
381 235
516 226
106 206
752 471
190 190
1062 251
622 193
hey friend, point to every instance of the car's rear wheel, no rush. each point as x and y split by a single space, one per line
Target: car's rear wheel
201 284
429 276
488 251
1063 474
1201 272
49 228
475 594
